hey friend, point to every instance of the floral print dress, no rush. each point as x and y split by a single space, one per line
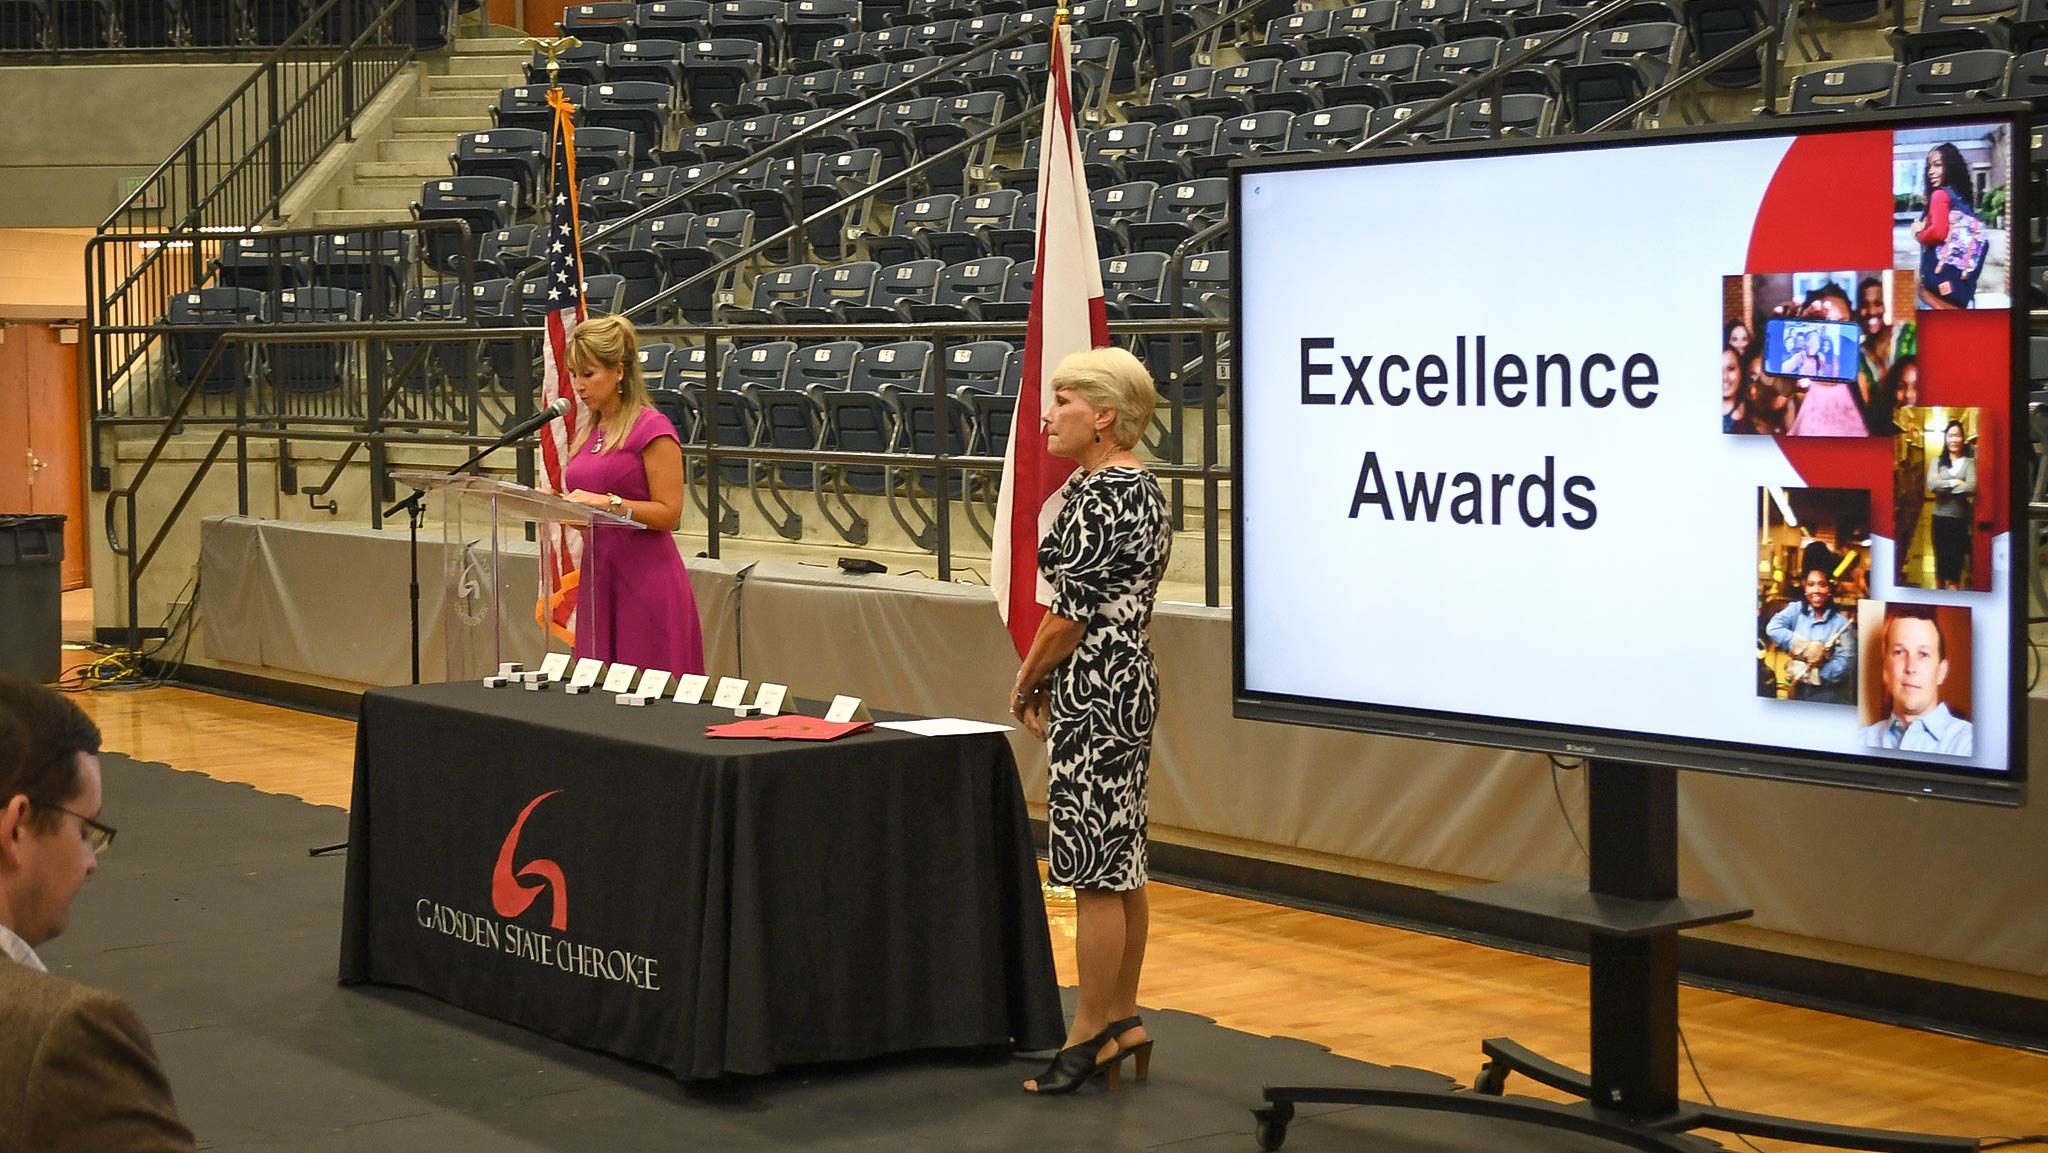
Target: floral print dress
1104 558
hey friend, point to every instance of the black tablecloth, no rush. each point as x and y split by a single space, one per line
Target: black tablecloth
610 876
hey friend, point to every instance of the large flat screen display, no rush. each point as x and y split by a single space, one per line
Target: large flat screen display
1684 448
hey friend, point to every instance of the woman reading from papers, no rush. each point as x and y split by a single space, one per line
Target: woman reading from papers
634 603
1089 682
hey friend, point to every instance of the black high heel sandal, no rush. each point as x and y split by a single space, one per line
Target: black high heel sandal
1142 1050
1076 1065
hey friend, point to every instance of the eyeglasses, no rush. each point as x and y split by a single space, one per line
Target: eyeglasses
100 837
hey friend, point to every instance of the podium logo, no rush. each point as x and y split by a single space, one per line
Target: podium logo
508 896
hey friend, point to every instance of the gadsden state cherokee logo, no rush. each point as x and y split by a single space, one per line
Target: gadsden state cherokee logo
508 896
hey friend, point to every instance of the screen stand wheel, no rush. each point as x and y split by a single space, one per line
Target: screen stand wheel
1630 909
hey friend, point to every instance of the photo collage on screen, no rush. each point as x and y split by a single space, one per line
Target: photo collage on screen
1838 353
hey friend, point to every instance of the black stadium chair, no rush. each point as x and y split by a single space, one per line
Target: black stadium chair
1617 67
600 150
1286 36
642 108
192 329
960 291
1328 129
265 263
484 203
313 366
1301 82
648 58
1398 124
583 64
517 154
1526 114
1843 88
715 71
374 265
526 106
683 20
1954 79
1715 26
605 22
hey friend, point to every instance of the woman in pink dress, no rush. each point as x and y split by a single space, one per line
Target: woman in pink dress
633 601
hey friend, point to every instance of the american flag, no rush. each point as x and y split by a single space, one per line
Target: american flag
565 310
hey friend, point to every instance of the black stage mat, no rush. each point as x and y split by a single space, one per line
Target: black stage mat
210 917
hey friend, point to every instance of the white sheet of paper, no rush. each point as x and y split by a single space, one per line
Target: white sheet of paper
770 698
942 727
620 678
554 666
842 709
652 682
732 692
690 688
586 673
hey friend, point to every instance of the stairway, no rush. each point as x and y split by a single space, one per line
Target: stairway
456 93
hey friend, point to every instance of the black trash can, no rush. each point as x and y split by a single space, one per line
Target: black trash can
32 595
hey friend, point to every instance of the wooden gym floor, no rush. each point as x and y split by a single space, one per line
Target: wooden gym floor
1367 991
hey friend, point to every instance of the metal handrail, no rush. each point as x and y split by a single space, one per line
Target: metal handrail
1188 39
287 94
1749 44
1495 73
794 141
300 38
371 434
761 245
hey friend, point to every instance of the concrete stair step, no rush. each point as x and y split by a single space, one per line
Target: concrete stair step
433 85
417 149
472 106
491 46
414 171
511 63
386 195
445 127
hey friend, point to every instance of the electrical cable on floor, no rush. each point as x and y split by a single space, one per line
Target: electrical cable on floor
1706 1092
2002 1142
117 668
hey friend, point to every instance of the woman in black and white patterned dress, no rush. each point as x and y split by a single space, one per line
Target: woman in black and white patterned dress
1089 683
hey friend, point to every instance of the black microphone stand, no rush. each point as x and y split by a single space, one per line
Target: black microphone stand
415 509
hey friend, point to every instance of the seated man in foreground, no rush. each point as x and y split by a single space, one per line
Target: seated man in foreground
77 1072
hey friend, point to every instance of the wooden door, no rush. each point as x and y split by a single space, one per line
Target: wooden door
40 439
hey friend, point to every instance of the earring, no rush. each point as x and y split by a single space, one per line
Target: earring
1098 438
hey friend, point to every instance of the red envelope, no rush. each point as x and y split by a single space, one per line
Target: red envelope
789 727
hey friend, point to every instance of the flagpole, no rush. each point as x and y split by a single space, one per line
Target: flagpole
1059 899
560 578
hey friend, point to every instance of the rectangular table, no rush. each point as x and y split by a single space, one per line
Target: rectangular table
611 877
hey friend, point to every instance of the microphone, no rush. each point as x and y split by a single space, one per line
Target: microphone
556 409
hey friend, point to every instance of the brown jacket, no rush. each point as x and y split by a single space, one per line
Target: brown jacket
77 1073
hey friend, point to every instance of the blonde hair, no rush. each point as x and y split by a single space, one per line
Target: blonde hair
610 342
1111 378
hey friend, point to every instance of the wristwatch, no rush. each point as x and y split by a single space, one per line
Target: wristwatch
615 502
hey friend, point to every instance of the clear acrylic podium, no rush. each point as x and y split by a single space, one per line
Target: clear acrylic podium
493 591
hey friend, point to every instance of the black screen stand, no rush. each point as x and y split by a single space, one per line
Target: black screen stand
1631 911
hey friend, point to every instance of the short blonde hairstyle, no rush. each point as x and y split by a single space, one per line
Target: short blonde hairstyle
1111 378
610 342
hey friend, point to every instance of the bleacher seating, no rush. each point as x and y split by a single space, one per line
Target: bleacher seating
671 93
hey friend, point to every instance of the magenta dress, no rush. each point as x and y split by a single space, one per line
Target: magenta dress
634 603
